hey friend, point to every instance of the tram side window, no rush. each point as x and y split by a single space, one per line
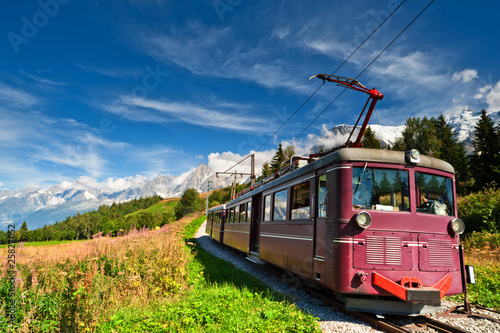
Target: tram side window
434 194
322 196
380 189
236 214
267 208
242 213
279 213
249 211
231 215
301 201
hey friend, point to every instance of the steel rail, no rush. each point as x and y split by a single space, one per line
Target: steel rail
370 319
440 326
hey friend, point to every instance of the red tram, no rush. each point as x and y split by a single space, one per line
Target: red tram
378 227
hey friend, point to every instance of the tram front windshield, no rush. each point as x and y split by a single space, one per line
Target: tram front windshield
434 194
380 189
388 190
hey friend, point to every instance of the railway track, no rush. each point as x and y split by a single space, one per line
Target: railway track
418 323
392 324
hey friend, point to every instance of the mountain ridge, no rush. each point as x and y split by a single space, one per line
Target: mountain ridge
39 207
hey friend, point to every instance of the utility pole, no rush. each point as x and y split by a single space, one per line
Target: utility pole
251 174
252 170
208 193
233 188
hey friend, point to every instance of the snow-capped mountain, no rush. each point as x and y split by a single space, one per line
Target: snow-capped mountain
387 135
464 123
46 206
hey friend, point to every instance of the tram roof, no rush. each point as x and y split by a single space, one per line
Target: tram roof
354 155
387 156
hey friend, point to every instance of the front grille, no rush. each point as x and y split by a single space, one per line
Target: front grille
393 251
440 253
382 250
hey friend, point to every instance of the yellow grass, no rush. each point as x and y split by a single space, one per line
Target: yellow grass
93 277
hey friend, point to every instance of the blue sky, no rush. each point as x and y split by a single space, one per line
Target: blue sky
114 89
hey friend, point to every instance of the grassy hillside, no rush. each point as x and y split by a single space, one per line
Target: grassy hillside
164 206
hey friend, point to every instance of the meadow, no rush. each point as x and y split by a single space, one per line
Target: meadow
482 250
145 281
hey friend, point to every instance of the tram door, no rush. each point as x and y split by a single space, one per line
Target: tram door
255 223
320 203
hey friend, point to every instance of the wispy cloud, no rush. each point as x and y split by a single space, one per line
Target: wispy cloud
15 97
45 149
45 81
111 71
213 52
229 116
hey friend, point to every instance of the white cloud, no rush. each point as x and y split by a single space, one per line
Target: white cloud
483 91
465 76
110 185
416 68
493 98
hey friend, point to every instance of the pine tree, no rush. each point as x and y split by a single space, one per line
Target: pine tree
485 160
278 159
369 139
452 151
419 134
266 171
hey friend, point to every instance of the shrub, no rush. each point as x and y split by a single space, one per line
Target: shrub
481 211
189 203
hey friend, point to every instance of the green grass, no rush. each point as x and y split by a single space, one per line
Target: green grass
221 298
160 207
34 244
482 250
485 291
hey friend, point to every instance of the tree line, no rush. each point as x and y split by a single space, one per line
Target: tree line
435 137
106 220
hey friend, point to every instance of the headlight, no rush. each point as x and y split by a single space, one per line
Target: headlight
413 156
363 219
457 226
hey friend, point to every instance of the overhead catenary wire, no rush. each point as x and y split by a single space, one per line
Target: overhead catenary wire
319 87
364 70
